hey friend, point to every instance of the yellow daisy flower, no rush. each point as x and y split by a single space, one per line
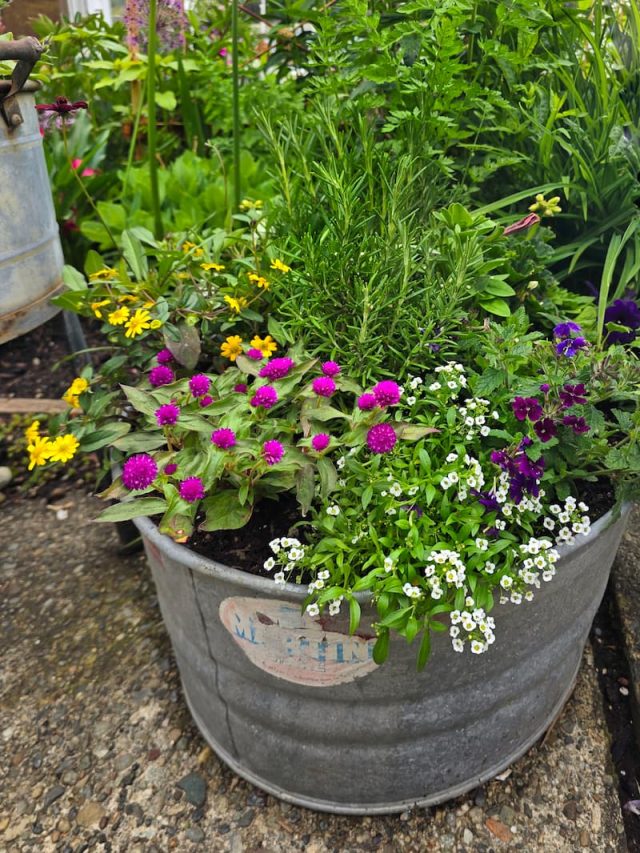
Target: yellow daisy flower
216 267
138 323
259 280
77 387
232 347
32 432
247 204
96 306
119 316
39 452
267 346
127 297
63 448
280 266
236 304
196 251
103 274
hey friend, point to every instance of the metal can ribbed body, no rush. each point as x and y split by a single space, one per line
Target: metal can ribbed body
298 707
30 253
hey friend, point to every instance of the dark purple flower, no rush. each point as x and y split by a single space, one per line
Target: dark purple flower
205 401
320 441
272 452
526 407
578 425
387 393
61 112
323 386
565 330
545 429
277 368
265 397
223 438
199 384
171 468
488 500
367 402
191 489
167 414
572 395
570 346
165 356
413 508
381 438
255 354
330 368
545 387
500 458
161 375
528 468
241 388
623 312
139 471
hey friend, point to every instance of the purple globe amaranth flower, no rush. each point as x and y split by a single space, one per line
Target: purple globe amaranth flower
623 312
199 384
572 395
277 368
167 414
223 438
545 429
330 368
255 354
241 387
387 392
571 346
323 386
272 452
165 356
566 330
381 438
191 489
171 468
320 441
161 375
367 402
205 401
139 471
265 397
577 424
526 407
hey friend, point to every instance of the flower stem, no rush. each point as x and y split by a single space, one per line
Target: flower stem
151 112
235 104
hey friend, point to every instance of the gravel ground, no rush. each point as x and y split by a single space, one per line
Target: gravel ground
98 750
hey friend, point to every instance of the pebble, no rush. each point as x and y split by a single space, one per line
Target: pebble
124 761
194 787
247 818
5 476
467 836
570 810
195 834
52 795
90 814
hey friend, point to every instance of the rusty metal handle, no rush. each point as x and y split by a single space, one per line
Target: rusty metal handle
26 51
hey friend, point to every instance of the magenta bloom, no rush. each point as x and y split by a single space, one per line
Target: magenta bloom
165 356
191 489
381 438
367 402
161 375
545 429
199 385
545 387
277 368
526 407
241 388
171 468
223 438
572 395
578 425
205 401
330 368
255 354
272 452
321 441
323 386
387 393
266 397
167 414
139 471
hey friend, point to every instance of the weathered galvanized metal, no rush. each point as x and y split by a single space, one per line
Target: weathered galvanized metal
299 708
30 253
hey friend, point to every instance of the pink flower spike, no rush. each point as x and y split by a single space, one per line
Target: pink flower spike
323 386
76 163
223 438
387 393
366 402
272 452
191 489
381 438
320 442
330 368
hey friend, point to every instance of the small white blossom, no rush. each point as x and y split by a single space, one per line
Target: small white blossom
324 576
275 545
396 490
334 509
388 564
458 645
313 609
452 457
411 400
506 582
435 386
477 647
482 544
412 591
269 564
279 577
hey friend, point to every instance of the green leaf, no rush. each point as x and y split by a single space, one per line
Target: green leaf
140 400
185 346
93 262
498 288
139 442
305 487
413 433
134 255
328 476
166 100
381 648
496 306
73 279
425 649
224 512
366 496
133 509
101 437
354 615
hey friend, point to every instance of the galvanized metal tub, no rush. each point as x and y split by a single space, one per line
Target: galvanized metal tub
30 253
299 708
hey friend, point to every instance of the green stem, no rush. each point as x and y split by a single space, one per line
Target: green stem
151 113
235 105
132 146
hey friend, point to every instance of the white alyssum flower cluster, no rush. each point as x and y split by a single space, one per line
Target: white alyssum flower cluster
475 414
468 477
288 551
476 624
450 379
445 567
569 521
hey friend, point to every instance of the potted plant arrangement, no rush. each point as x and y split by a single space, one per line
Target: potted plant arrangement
396 576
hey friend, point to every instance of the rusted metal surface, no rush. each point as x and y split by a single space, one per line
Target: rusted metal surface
30 253
297 706
25 52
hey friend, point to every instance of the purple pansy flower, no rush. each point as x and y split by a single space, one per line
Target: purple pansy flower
577 424
545 429
572 395
526 407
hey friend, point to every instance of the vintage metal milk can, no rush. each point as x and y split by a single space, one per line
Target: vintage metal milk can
30 253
